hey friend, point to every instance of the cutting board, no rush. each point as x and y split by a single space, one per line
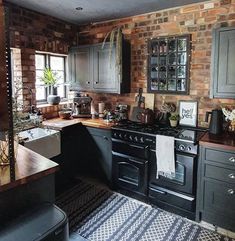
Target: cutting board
136 110
149 103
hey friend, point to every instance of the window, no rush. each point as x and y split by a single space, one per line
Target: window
57 63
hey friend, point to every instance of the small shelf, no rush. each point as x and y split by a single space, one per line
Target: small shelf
168 65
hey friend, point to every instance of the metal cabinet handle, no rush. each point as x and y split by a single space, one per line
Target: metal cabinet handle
232 175
231 191
232 159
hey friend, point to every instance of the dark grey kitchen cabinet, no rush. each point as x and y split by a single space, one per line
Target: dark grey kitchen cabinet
105 71
80 64
93 68
216 187
101 149
223 59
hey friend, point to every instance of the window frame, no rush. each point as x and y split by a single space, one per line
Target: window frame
47 59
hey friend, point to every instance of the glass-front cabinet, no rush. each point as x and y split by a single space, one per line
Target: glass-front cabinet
168 64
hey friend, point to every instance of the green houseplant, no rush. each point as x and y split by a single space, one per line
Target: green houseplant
174 119
50 79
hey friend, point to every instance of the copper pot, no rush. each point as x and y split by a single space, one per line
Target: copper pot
147 116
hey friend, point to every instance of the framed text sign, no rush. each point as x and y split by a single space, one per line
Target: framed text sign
188 113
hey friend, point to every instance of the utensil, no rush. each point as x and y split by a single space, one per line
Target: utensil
216 121
137 110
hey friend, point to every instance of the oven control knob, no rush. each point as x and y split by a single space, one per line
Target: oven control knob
181 147
142 139
189 148
125 136
120 135
136 139
115 134
131 138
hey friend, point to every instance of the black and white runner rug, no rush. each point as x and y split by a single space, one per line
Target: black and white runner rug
100 215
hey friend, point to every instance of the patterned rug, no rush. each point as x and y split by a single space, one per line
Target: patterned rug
100 215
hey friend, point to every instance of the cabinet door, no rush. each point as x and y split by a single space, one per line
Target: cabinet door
224 57
102 139
80 64
105 77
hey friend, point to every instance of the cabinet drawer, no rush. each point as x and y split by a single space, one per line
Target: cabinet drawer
219 198
223 157
219 173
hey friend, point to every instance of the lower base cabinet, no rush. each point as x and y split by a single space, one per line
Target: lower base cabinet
101 149
216 187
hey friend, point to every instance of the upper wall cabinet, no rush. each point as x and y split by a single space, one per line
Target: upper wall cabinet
93 68
223 60
168 65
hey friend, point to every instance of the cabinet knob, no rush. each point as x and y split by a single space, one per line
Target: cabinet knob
96 82
232 159
88 82
231 191
232 175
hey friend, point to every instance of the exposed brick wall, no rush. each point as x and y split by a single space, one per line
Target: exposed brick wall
197 20
30 32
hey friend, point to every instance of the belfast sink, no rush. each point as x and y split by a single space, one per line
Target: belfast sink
46 142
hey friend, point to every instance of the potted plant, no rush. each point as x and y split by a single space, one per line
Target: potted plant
50 79
174 119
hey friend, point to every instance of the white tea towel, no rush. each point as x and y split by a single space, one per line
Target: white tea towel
165 154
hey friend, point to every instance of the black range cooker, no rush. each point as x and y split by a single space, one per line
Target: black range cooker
135 165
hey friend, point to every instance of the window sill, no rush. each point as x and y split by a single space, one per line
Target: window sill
43 105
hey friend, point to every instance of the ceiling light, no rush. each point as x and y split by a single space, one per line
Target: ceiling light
79 8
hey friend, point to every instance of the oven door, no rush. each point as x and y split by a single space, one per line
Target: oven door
130 173
185 175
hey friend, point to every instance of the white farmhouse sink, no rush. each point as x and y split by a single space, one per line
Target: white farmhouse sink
46 142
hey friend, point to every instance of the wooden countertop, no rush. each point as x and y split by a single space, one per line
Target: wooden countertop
59 124
225 141
28 167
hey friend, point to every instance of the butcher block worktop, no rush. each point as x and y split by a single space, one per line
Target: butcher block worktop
59 124
225 141
28 167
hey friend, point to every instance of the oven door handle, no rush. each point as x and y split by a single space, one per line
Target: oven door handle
158 191
140 147
137 162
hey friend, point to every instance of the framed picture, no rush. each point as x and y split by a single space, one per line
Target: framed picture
188 113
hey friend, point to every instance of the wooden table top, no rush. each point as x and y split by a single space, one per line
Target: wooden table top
225 141
59 124
28 167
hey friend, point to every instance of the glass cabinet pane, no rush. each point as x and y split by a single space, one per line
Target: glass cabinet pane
162 84
172 84
181 72
154 60
182 44
172 45
181 85
162 60
171 71
154 85
182 58
172 59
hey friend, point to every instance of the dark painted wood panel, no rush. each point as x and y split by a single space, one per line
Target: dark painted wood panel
223 58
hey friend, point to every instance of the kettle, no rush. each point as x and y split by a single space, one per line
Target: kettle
216 122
